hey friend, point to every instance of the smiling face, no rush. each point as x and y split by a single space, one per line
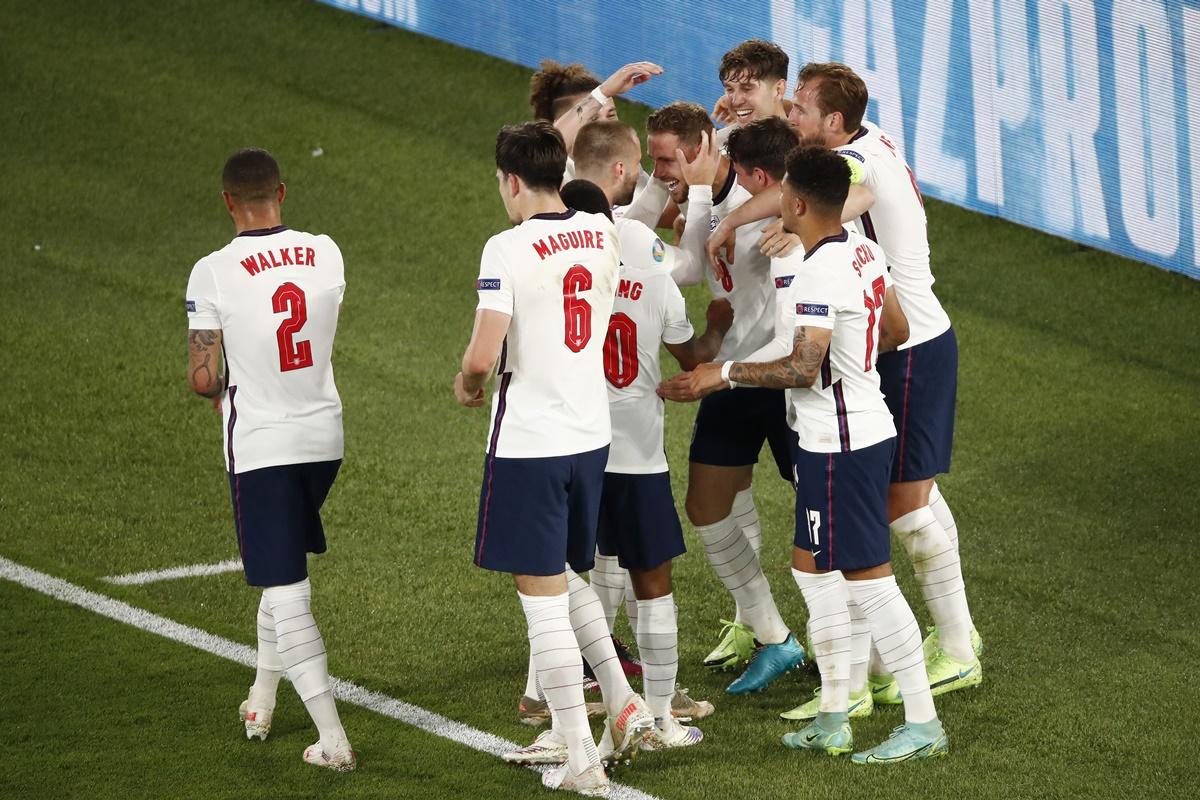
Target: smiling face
752 98
662 148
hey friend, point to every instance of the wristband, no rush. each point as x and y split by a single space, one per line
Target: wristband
599 96
728 365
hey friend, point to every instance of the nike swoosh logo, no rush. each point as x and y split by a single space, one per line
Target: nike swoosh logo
962 674
879 760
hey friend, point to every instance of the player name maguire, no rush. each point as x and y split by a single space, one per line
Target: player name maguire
571 240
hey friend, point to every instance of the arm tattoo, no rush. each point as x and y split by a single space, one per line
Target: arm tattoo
795 371
201 339
204 374
583 104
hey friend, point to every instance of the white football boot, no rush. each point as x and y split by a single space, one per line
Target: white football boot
592 782
623 736
256 720
548 748
341 759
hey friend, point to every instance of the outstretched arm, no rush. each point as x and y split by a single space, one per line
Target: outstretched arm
700 349
588 109
798 369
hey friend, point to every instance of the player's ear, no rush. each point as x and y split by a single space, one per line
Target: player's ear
514 185
780 89
228 198
281 192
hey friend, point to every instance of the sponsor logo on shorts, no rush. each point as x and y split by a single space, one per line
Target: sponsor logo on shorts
190 305
784 281
812 310
485 284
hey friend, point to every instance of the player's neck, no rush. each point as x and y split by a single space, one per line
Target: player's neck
841 140
535 203
813 232
609 189
256 218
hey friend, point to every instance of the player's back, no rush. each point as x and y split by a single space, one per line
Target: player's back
556 275
897 222
647 311
746 283
841 284
275 294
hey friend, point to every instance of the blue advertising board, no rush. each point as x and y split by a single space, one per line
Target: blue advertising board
1076 117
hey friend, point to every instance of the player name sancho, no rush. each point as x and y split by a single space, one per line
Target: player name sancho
570 240
287 257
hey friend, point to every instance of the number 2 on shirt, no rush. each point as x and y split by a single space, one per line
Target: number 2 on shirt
292 354
577 312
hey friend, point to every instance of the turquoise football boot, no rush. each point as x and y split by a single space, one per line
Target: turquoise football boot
909 742
768 664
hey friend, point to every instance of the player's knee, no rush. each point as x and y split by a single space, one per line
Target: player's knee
906 497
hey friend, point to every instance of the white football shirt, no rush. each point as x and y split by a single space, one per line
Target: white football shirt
274 294
555 274
840 285
897 222
648 310
746 283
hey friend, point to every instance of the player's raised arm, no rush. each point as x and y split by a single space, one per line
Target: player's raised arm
721 241
589 108
699 174
705 347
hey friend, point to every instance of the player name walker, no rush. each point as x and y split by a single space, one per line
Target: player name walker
284 257
571 240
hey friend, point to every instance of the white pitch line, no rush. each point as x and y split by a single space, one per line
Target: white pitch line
193 571
343 690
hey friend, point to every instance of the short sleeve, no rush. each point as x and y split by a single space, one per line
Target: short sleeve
861 169
203 300
676 327
494 285
642 249
815 298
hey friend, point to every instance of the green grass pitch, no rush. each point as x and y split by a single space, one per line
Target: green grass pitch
1074 482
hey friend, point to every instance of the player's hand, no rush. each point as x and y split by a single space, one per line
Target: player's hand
687 387
678 226
720 315
629 76
722 114
216 403
702 170
720 245
463 397
776 242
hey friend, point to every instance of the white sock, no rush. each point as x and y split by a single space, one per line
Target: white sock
860 645
595 642
736 564
608 581
658 645
746 516
531 682
895 631
938 570
631 605
270 668
941 510
560 674
875 665
302 653
829 620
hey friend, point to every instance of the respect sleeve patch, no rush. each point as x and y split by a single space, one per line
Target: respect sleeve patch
812 309
487 284
190 305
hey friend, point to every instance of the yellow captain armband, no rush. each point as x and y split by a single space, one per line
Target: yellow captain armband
856 168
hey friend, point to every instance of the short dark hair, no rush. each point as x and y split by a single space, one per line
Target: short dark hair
840 89
685 120
755 59
598 143
586 196
552 87
534 152
251 176
819 175
763 144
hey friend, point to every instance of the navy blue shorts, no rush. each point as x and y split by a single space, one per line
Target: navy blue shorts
536 515
920 385
841 506
638 521
732 425
277 514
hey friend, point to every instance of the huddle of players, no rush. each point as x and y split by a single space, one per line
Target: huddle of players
838 355
809 322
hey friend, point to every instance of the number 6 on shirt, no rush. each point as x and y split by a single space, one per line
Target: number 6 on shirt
577 312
